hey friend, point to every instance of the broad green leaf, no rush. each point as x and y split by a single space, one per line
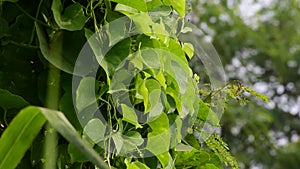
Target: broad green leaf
154 92
53 51
128 142
144 24
153 4
87 114
137 4
183 147
190 99
161 79
207 114
137 60
73 17
173 46
95 130
60 123
125 9
163 10
129 115
141 90
151 59
133 137
178 5
159 138
180 75
166 160
116 32
192 141
173 96
19 135
175 129
203 110
116 56
136 165
189 50
85 94
151 162
9 100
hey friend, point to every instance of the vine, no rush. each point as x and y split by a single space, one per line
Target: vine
125 66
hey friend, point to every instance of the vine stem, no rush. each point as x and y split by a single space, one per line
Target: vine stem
36 17
52 102
31 17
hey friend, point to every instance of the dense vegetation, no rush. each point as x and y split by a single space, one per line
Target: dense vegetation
100 84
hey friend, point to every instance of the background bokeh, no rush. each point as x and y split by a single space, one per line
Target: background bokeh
259 44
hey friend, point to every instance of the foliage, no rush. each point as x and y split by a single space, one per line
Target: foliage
38 59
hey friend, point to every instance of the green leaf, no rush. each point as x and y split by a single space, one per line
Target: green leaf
136 165
180 76
129 115
19 135
190 99
9 100
153 4
85 94
125 9
189 50
173 46
154 92
137 4
207 114
159 138
73 17
128 142
183 147
17 138
115 56
166 160
144 24
95 130
178 5
175 129
192 141
60 123
163 10
53 50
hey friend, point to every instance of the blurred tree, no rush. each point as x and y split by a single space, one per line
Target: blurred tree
259 44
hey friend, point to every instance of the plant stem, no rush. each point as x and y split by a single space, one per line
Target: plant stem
23 45
31 17
36 17
52 101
